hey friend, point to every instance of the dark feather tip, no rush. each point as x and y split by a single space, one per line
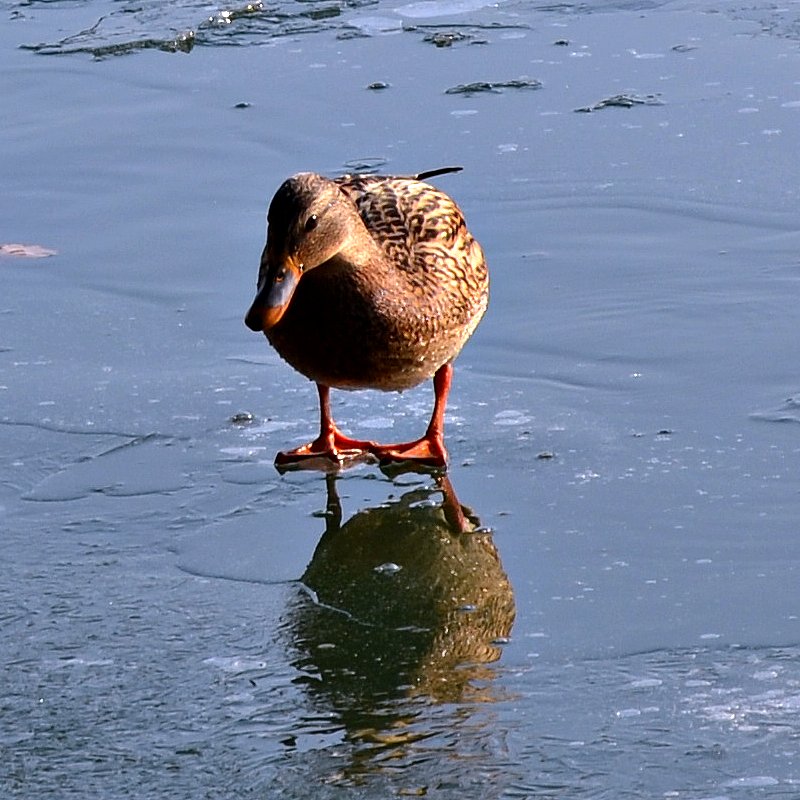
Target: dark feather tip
431 173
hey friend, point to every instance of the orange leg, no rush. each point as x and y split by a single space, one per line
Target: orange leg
453 510
430 448
331 442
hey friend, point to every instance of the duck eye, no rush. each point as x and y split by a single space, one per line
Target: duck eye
311 223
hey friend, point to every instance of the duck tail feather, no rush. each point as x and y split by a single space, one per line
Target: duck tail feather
431 173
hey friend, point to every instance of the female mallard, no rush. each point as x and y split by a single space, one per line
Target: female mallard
369 282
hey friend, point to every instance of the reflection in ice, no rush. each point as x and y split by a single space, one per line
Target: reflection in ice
410 602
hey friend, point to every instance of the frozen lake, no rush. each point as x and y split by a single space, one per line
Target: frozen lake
180 620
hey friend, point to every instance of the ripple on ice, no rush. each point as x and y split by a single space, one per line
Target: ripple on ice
425 9
373 26
645 683
511 417
269 426
235 664
376 422
753 782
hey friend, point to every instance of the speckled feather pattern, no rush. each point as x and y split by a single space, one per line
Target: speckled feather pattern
391 319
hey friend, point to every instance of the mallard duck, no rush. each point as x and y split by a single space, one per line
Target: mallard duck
369 282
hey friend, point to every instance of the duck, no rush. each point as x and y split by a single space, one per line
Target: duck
369 282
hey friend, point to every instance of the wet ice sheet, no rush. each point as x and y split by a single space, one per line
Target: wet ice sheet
272 688
702 723
623 418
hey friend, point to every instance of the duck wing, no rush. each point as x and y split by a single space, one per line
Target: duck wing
423 234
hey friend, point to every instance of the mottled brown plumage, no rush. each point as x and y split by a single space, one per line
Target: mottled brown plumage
368 282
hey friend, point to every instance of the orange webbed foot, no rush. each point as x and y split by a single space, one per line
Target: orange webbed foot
428 451
333 446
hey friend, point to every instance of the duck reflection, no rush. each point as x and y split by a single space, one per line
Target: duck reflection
409 601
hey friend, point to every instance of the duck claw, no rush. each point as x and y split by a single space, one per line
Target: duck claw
427 451
287 462
332 448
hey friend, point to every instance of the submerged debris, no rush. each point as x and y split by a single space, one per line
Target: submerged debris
446 38
243 418
364 166
182 43
85 41
624 101
471 88
134 27
227 16
26 251
788 412
494 87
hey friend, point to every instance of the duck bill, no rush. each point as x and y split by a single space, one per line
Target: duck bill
273 298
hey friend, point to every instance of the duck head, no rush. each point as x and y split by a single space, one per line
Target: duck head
309 221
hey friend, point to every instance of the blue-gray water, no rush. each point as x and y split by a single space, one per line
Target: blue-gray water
630 628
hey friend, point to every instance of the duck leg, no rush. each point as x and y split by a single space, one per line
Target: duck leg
331 442
430 448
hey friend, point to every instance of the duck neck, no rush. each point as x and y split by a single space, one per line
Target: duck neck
362 253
